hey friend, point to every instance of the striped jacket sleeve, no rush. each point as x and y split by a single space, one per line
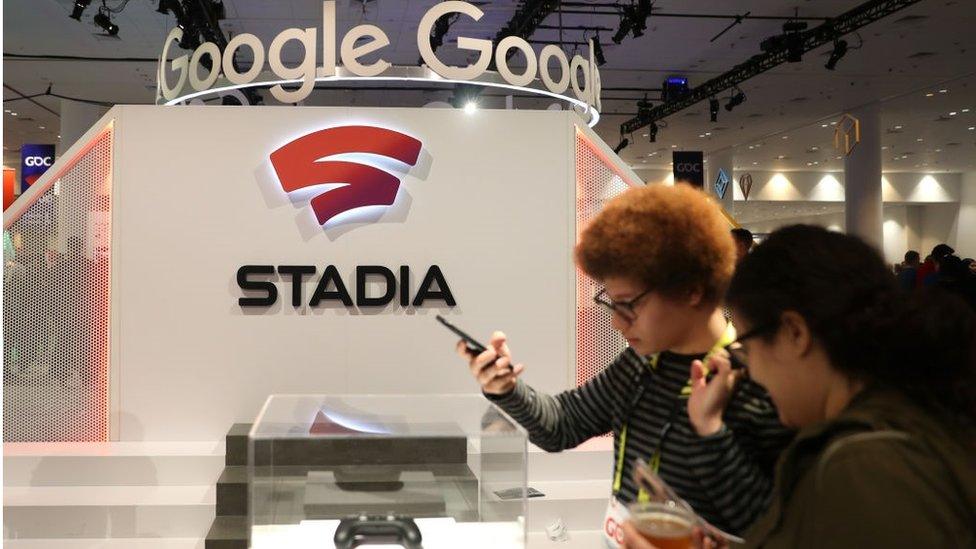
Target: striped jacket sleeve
564 421
735 465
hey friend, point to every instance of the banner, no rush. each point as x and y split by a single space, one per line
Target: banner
9 180
689 167
34 161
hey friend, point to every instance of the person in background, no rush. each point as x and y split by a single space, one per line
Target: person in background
908 270
926 275
743 242
882 386
664 257
955 277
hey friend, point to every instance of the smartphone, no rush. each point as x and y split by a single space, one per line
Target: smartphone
474 347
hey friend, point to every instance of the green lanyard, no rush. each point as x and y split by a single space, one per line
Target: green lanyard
655 463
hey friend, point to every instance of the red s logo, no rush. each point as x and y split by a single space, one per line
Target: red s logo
297 165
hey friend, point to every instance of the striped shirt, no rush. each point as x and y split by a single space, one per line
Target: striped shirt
727 477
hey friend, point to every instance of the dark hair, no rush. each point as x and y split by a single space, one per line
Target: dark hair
941 250
921 344
742 236
911 256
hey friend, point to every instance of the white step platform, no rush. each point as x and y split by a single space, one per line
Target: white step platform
162 494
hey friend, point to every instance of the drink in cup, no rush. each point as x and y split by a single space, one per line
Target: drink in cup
664 525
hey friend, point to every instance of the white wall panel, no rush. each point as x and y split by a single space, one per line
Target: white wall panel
490 203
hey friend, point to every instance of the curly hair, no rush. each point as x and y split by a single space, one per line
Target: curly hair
673 239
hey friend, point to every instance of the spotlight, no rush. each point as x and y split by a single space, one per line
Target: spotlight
162 8
622 30
840 49
737 99
652 132
78 9
103 20
621 146
598 51
637 23
191 38
794 40
465 97
639 17
713 109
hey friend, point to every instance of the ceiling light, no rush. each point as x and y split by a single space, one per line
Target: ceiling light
675 146
897 127
598 52
470 107
833 123
930 94
78 9
823 125
840 49
943 91
884 147
622 145
786 137
13 114
965 110
919 140
103 20
622 30
971 128
736 99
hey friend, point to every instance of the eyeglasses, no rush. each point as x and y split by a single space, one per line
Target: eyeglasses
738 351
623 308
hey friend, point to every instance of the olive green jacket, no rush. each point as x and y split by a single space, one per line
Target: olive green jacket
883 474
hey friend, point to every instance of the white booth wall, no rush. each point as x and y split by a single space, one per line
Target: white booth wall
492 202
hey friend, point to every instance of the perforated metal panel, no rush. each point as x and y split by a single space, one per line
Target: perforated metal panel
597 343
56 307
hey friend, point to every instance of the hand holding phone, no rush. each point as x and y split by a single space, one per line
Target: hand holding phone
491 366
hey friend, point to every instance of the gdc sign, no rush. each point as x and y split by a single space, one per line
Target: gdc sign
689 167
580 73
38 161
34 161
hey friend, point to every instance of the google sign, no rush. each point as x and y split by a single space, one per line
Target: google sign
580 74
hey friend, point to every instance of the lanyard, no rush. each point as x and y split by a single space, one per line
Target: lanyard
655 463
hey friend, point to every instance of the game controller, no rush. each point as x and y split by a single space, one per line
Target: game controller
354 531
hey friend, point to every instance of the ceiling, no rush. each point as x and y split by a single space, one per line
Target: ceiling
923 49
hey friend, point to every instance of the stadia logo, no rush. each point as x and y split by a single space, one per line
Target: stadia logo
305 162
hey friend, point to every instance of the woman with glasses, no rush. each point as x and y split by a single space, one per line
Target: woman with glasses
882 386
664 257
